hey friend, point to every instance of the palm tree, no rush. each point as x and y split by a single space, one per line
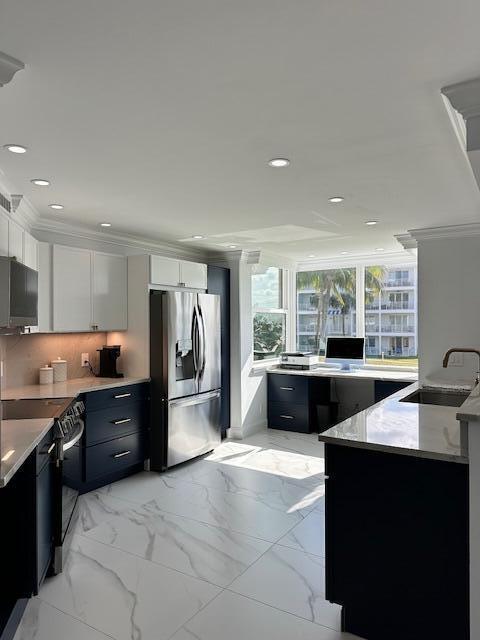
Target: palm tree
337 288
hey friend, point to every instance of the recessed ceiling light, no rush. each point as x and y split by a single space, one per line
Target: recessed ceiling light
105 224
40 182
198 237
370 223
379 249
232 246
336 199
343 253
279 162
56 206
311 256
15 148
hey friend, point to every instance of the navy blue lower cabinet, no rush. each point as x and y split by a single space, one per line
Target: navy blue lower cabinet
397 544
299 403
385 388
116 439
44 521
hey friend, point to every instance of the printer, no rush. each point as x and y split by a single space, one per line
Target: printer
299 360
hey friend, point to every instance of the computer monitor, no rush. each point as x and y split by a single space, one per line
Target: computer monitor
345 352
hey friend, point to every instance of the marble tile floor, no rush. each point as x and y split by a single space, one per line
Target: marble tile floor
230 545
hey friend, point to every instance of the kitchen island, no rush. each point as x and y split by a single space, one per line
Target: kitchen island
397 521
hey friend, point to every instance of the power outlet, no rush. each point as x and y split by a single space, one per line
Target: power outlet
85 360
456 360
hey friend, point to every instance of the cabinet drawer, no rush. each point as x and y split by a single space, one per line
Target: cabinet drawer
285 388
287 416
114 455
117 397
113 422
44 450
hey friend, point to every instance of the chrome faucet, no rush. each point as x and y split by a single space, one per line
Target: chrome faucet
463 350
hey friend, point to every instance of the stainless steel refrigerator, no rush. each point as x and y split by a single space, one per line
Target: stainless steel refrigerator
185 369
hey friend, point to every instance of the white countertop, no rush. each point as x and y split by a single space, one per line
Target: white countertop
22 436
470 409
355 374
69 389
18 438
425 431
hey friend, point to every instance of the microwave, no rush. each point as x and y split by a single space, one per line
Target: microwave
18 295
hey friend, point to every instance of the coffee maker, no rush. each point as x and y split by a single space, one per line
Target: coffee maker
108 361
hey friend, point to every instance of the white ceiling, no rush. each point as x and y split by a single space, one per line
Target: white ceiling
159 116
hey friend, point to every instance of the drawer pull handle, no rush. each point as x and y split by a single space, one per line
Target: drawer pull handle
121 421
287 417
120 455
287 388
122 395
51 448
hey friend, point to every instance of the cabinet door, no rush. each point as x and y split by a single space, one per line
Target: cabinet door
3 234
15 241
72 289
193 274
44 521
30 250
109 292
164 271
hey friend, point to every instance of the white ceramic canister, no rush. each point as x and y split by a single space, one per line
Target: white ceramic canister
59 370
46 375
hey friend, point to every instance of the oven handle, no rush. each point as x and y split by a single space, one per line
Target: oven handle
73 441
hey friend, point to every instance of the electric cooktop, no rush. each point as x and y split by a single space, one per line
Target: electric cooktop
25 409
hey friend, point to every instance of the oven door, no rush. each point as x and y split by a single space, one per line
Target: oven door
67 514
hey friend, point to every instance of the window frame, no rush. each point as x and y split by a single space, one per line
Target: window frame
285 310
360 266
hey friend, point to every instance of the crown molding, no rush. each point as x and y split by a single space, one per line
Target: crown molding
413 236
464 97
131 241
8 68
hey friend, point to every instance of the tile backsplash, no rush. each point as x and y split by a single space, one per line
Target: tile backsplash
23 355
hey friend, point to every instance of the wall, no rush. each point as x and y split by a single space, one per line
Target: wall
23 355
449 303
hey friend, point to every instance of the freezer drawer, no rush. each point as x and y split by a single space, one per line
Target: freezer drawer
193 426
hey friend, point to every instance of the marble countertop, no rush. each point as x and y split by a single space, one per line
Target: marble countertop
470 409
425 431
18 438
68 389
356 374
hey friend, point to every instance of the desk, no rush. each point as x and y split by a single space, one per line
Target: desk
308 401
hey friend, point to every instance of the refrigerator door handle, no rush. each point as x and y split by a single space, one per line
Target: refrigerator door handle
202 338
186 402
195 342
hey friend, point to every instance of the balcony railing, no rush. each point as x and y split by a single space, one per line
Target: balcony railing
375 352
398 305
401 282
372 329
395 328
372 305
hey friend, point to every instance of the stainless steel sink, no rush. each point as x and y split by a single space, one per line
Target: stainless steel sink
439 397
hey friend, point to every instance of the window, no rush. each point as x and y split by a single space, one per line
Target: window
327 301
269 314
326 306
391 315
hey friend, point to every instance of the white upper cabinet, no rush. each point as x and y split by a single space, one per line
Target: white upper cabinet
164 271
72 289
193 274
109 292
30 251
3 234
89 290
177 273
15 241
